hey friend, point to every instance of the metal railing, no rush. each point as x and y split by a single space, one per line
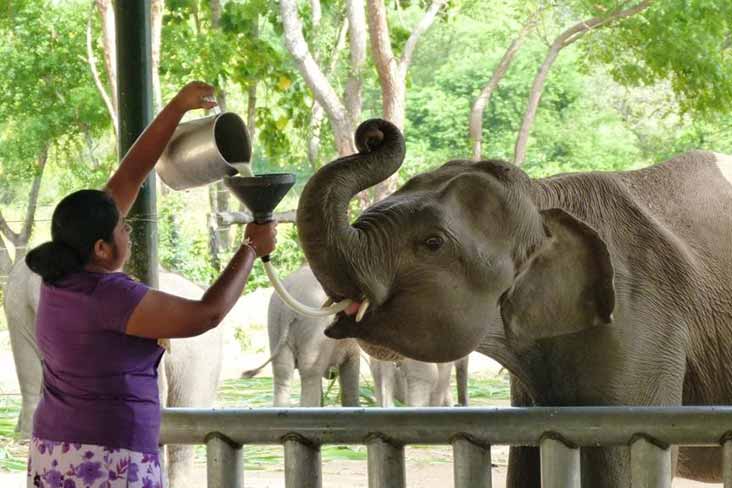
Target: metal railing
559 433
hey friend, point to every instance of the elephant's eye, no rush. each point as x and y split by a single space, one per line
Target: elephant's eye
434 243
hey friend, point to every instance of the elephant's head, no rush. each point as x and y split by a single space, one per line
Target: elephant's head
454 253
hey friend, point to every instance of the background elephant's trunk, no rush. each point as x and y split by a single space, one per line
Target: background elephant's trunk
332 246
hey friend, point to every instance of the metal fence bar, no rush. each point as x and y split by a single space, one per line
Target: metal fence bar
560 463
385 464
727 462
302 463
224 463
471 464
650 464
583 426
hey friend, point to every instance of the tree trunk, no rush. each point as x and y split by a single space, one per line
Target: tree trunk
109 41
19 240
157 8
478 108
316 12
566 38
322 90
317 113
392 72
355 10
220 203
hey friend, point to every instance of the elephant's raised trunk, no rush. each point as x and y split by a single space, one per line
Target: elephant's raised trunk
335 250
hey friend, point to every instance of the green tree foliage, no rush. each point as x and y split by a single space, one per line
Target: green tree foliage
50 99
687 43
630 94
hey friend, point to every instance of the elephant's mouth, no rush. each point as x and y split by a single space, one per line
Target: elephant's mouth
355 321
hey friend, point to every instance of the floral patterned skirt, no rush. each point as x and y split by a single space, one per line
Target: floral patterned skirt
53 464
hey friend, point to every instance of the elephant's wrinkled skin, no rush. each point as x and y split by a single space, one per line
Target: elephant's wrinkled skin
189 379
591 288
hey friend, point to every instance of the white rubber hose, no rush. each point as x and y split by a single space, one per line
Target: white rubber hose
245 170
297 306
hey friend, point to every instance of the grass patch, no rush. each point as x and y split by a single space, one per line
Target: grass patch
256 393
13 452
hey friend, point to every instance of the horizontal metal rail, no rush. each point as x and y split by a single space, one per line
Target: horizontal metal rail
559 432
581 426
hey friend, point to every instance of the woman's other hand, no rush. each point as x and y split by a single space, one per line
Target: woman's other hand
195 94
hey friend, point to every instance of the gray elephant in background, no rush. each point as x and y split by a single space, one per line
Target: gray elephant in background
299 342
600 288
418 384
189 377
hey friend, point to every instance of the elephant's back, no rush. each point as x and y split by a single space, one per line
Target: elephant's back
22 290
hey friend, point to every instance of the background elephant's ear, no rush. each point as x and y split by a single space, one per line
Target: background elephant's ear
565 286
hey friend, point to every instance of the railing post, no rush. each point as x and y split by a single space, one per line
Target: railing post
560 462
650 463
302 463
385 463
224 462
727 459
471 463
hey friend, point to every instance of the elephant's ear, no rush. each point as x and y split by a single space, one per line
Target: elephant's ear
565 286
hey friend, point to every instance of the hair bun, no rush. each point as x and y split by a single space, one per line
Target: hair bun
53 260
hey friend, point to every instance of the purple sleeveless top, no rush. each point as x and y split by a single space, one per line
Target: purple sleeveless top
99 384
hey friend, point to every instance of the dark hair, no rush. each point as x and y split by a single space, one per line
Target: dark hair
78 222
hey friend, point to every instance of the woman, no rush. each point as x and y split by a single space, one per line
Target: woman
98 422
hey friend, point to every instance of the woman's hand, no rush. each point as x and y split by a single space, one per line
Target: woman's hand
261 237
142 156
195 94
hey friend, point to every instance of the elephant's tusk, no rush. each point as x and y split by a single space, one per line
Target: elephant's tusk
328 302
362 310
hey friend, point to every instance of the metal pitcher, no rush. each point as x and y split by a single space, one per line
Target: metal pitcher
201 151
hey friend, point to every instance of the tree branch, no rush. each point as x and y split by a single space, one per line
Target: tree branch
356 12
422 26
91 60
7 231
30 211
225 219
314 77
563 40
478 108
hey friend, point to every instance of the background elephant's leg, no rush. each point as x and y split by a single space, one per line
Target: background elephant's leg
383 374
461 375
311 393
441 395
21 326
163 396
348 376
283 367
192 370
421 379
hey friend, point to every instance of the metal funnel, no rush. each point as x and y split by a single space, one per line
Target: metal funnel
261 193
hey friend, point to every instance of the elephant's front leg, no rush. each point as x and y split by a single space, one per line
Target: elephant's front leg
311 394
283 367
606 467
523 468
348 376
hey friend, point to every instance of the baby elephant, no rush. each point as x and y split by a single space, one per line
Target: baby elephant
296 341
418 384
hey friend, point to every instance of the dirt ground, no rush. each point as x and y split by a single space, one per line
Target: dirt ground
425 467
